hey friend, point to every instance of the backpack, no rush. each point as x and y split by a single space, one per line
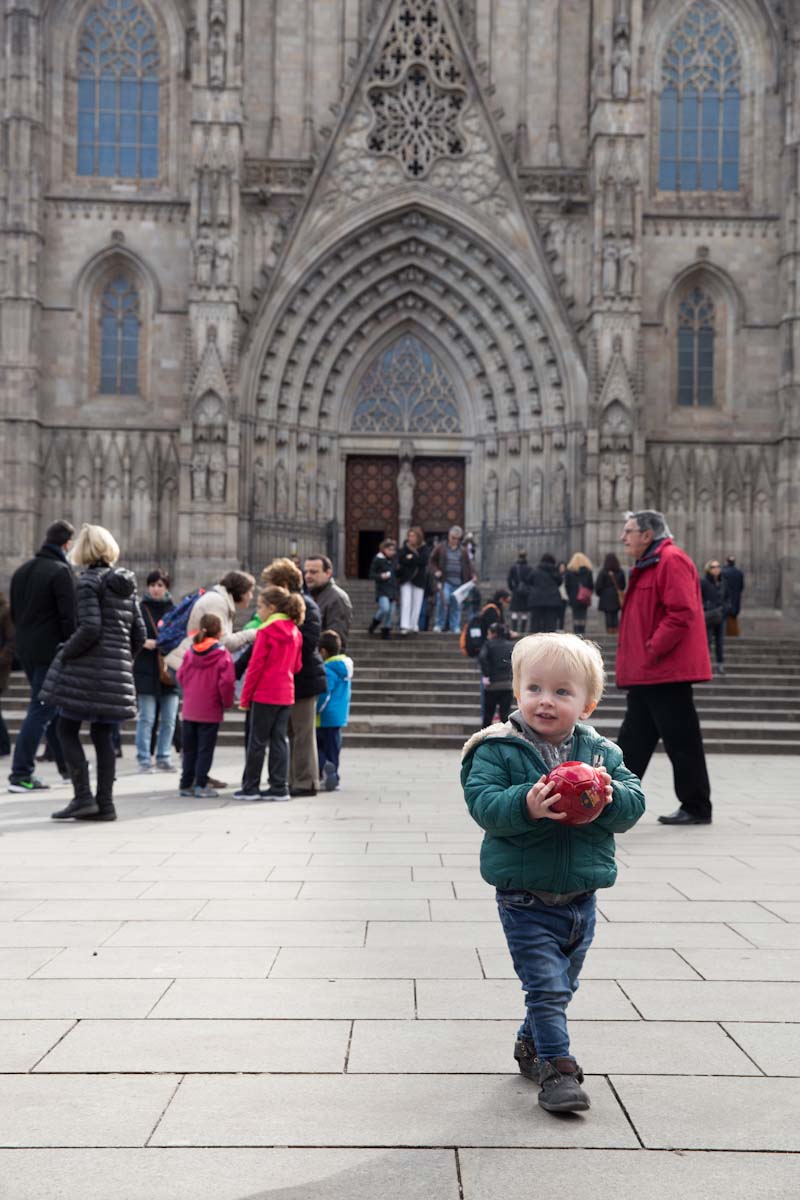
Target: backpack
472 637
172 626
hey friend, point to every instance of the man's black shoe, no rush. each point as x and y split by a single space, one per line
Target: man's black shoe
312 791
682 817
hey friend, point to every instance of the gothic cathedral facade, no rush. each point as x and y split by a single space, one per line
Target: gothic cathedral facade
287 274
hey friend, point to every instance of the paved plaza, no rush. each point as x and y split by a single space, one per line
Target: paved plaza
313 1000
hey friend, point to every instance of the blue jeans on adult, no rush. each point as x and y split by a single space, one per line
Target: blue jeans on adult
448 610
386 611
34 726
548 944
166 706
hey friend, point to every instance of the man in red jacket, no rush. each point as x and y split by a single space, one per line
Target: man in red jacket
662 651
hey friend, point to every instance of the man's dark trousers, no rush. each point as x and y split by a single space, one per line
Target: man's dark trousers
35 724
666 711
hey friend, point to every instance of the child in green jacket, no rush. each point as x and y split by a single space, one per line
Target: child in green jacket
545 872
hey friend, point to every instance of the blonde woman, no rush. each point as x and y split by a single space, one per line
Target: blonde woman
91 678
579 582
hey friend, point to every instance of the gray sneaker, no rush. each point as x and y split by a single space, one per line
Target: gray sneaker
206 793
165 766
560 1080
31 784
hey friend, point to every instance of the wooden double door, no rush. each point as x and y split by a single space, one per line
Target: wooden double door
372 505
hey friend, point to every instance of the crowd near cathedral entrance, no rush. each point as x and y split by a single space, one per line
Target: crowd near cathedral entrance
292 274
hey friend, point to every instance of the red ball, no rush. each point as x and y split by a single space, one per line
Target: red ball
582 792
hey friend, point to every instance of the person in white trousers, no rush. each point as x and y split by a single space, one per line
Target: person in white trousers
411 567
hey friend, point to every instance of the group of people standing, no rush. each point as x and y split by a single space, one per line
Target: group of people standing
419 572
90 651
541 594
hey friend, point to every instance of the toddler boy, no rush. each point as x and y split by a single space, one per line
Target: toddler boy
545 872
333 708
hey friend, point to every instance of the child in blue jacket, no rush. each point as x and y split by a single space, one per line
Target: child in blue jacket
333 708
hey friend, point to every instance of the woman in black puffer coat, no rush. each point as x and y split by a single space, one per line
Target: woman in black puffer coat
91 677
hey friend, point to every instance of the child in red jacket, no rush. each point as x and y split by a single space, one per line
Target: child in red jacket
268 692
207 678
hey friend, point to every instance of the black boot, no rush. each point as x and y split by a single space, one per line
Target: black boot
105 810
386 633
373 625
82 803
527 1061
560 1080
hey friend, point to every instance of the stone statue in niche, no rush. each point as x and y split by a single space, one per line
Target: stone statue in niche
406 481
216 55
199 469
490 500
204 261
323 498
223 262
621 61
205 204
301 492
610 267
622 491
559 495
608 477
512 497
281 489
222 192
260 502
627 269
535 498
217 474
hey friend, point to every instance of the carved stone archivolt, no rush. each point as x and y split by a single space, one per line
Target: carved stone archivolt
410 269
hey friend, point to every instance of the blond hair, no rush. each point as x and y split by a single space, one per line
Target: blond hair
577 561
573 654
94 544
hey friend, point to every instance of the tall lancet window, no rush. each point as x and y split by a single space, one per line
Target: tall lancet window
118 64
119 338
700 103
696 320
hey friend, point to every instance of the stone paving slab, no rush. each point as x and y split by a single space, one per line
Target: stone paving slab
236 933
610 964
50 999
380 1110
160 962
775 1048
380 962
714 1001
19 964
24 1043
328 999
602 1047
81 1110
507 1174
702 1113
311 1047
495 999
746 964
241 1174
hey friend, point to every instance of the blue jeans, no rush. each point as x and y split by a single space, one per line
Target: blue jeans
386 611
37 720
448 610
548 944
329 746
167 708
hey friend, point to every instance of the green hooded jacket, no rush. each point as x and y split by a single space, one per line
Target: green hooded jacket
498 769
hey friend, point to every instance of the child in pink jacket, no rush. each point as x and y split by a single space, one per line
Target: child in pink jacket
269 692
207 678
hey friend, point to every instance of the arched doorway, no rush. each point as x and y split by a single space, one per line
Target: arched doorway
407 394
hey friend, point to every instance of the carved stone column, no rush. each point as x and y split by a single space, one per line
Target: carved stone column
21 240
209 530
615 449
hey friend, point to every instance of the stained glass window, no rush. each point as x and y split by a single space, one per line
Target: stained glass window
700 102
406 391
119 338
118 63
696 350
